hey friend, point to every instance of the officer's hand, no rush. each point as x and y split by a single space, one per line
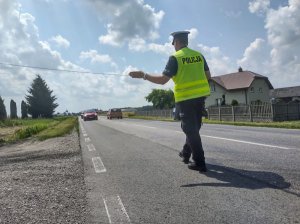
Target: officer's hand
136 74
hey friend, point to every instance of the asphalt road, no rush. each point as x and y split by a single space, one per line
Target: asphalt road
134 174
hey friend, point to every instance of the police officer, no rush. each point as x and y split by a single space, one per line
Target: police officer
190 73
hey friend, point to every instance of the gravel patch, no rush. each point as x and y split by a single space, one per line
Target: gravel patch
43 182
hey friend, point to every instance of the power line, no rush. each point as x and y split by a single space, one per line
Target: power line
60 70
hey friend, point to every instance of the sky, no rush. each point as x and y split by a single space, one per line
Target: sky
90 46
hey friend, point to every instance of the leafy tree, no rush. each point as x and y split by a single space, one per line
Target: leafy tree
3 114
24 109
40 100
13 109
161 99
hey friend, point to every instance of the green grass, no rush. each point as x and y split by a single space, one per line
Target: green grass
274 124
64 127
40 128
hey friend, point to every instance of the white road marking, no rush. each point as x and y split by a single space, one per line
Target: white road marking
91 147
115 210
227 139
98 165
84 134
144 126
87 139
245 142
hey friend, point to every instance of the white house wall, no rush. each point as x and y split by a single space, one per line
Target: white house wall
240 95
263 96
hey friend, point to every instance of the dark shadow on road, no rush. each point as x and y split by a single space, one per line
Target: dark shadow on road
238 178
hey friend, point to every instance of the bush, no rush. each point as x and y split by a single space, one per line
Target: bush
234 103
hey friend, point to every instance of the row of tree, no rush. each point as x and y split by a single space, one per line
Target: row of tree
40 103
13 110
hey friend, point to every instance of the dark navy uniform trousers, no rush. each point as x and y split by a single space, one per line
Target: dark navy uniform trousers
190 112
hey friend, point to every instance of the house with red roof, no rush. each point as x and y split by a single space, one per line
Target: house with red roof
244 87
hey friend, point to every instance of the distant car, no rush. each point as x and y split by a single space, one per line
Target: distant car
90 115
114 113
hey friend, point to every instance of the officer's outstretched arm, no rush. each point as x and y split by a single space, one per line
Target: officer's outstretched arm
159 79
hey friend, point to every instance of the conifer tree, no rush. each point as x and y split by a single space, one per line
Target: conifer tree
13 109
3 114
40 100
24 109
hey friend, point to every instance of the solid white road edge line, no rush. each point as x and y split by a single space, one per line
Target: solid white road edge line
246 142
98 165
144 126
115 210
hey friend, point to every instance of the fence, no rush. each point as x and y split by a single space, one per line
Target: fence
265 112
156 113
261 112
286 111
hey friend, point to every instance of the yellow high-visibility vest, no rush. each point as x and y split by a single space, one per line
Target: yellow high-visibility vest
190 79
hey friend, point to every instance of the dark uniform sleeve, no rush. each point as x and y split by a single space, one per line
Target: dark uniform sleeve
206 68
171 67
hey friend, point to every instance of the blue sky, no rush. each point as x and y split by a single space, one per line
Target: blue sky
113 37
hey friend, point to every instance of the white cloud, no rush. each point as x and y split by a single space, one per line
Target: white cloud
60 41
95 57
256 57
128 20
137 44
282 64
140 45
219 64
20 44
259 6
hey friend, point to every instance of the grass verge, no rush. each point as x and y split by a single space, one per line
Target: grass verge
275 124
14 130
64 127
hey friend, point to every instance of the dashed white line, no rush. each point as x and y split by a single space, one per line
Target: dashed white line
87 139
98 165
91 147
115 210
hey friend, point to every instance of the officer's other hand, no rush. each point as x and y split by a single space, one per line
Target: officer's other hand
136 74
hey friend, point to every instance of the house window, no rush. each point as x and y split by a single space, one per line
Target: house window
252 90
212 87
260 90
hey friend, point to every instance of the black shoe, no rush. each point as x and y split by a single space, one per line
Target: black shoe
194 166
184 159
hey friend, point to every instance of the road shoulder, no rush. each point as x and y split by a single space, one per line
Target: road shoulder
43 182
